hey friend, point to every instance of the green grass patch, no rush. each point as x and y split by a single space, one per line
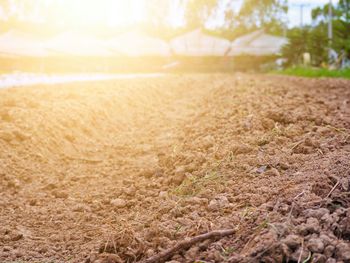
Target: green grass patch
315 72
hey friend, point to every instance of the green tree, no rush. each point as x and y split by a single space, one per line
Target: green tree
158 12
314 39
341 11
297 45
317 44
341 24
197 12
254 14
268 14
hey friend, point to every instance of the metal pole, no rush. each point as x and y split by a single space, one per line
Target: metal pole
330 29
301 15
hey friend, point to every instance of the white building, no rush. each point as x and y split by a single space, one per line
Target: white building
197 43
72 43
257 43
15 43
138 44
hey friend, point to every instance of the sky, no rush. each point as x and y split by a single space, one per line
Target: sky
295 10
126 12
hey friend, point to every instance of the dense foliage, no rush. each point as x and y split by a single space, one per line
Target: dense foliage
314 39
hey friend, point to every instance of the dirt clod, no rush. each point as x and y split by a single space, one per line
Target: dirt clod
118 203
315 245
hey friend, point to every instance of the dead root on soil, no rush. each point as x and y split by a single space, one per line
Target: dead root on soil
186 244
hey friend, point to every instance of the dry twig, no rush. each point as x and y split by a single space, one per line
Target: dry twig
334 187
301 251
186 244
297 144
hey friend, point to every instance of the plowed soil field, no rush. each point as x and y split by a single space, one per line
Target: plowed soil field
125 170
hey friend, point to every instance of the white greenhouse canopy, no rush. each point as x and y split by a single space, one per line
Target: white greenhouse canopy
197 43
76 44
136 44
15 43
257 43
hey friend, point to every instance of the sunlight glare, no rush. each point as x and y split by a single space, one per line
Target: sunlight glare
98 12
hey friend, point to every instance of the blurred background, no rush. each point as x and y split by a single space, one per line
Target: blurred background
110 36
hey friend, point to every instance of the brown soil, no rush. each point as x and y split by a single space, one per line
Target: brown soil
119 171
